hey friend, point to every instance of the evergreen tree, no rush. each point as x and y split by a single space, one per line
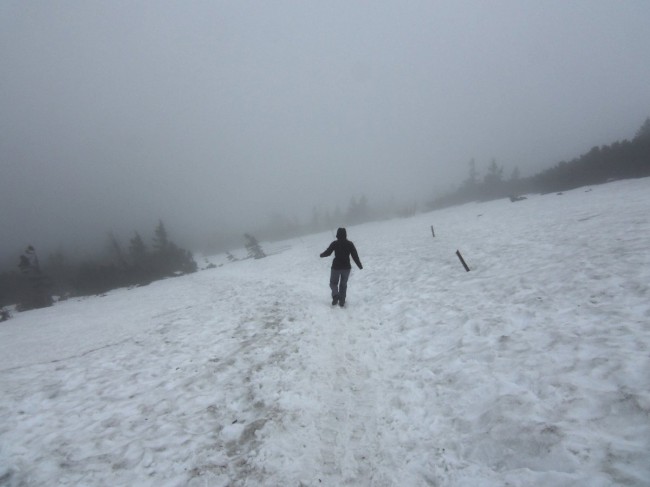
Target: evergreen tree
140 271
493 186
169 259
116 249
36 293
358 211
254 248
160 239
61 272
138 250
644 131
472 177
494 173
514 176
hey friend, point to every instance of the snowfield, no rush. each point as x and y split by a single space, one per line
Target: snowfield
532 369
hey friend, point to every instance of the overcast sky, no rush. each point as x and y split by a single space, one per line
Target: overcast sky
114 114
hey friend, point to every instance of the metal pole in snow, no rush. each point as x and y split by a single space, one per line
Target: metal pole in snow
462 261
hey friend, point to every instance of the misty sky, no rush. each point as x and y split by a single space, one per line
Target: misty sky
212 115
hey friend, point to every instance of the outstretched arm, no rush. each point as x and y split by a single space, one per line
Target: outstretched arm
355 257
329 251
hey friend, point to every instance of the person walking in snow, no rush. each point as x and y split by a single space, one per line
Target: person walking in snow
341 267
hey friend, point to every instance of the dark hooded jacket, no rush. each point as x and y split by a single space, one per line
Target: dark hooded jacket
342 249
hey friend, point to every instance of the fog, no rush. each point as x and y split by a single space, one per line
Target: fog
215 115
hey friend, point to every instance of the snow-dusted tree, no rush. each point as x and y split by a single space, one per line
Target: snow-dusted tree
168 259
254 248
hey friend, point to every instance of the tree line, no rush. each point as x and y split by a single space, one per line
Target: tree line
34 283
621 160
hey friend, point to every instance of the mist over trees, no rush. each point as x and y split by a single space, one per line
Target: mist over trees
358 210
32 283
138 265
35 285
621 160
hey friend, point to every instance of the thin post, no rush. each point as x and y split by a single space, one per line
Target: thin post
462 261
432 232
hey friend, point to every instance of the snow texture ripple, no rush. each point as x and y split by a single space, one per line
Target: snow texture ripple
533 369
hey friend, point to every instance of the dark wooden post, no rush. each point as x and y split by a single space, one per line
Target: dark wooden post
432 232
462 261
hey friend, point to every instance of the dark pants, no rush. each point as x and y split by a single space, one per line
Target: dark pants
339 282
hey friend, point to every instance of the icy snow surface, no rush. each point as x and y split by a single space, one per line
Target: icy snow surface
533 369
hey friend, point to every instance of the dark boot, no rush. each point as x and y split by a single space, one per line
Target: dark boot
342 302
335 299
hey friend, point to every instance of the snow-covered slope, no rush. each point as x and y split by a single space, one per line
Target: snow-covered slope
532 369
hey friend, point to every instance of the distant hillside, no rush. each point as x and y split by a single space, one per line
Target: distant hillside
621 160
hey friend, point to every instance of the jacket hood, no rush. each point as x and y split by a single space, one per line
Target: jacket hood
341 234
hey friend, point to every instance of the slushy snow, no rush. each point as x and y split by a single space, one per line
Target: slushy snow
532 369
